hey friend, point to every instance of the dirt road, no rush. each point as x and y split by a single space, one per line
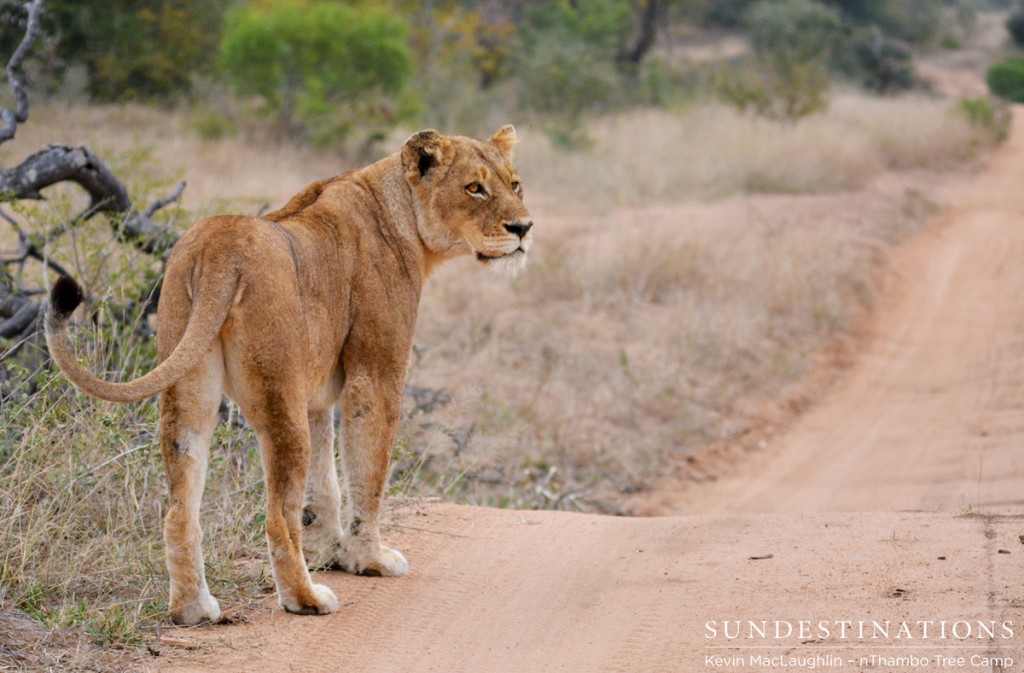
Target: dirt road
883 531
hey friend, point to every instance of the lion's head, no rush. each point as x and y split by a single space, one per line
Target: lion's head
469 198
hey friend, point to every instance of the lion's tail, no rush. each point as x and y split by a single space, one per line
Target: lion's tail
207 316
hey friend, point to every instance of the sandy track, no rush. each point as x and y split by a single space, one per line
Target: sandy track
899 498
932 415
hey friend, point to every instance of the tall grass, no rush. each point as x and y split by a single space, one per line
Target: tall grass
632 337
81 505
709 151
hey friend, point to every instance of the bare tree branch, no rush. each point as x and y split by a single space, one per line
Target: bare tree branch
59 163
166 201
63 163
19 311
21 320
15 76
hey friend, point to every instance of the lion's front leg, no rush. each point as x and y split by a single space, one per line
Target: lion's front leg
371 406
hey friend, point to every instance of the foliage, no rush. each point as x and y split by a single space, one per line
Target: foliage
136 49
727 13
987 115
793 30
567 63
566 77
878 63
1006 79
321 65
1015 25
793 42
599 24
914 21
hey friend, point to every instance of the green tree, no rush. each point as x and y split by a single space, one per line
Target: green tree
877 63
136 49
1015 24
793 42
318 64
567 62
914 21
1006 79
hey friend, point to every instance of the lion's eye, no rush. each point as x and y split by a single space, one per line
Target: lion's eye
476 189
517 187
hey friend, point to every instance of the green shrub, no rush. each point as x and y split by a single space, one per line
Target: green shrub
793 43
727 13
213 125
983 113
566 77
796 92
567 62
1006 79
877 63
793 31
1015 24
324 65
913 21
132 49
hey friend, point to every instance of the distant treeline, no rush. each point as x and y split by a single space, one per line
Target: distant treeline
316 67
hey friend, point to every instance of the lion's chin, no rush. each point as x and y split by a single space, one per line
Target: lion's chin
507 266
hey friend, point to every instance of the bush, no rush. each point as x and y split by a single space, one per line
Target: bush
727 13
134 49
568 55
1015 24
794 31
992 118
796 92
879 64
566 77
793 42
312 64
913 21
1006 79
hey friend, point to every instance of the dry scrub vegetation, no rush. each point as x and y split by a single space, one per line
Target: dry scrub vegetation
664 291
711 151
642 320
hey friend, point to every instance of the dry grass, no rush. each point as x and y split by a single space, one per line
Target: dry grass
143 144
82 493
632 336
630 339
711 151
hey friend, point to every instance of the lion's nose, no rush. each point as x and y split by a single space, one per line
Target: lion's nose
519 227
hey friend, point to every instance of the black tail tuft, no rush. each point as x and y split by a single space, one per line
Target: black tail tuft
65 296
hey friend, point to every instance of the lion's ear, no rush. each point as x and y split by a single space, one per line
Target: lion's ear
424 151
505 140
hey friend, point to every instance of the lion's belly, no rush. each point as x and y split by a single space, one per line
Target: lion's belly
326 394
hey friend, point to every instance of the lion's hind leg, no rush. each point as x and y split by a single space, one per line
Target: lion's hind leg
282 426
188 416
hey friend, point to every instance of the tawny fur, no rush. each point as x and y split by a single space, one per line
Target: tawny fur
290 315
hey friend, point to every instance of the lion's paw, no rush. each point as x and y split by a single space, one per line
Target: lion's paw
323 601
204 608
386 562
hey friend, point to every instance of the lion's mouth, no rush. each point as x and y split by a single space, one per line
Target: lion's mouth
508 265
490 258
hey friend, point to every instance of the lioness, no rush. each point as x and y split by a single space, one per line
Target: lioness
292 313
